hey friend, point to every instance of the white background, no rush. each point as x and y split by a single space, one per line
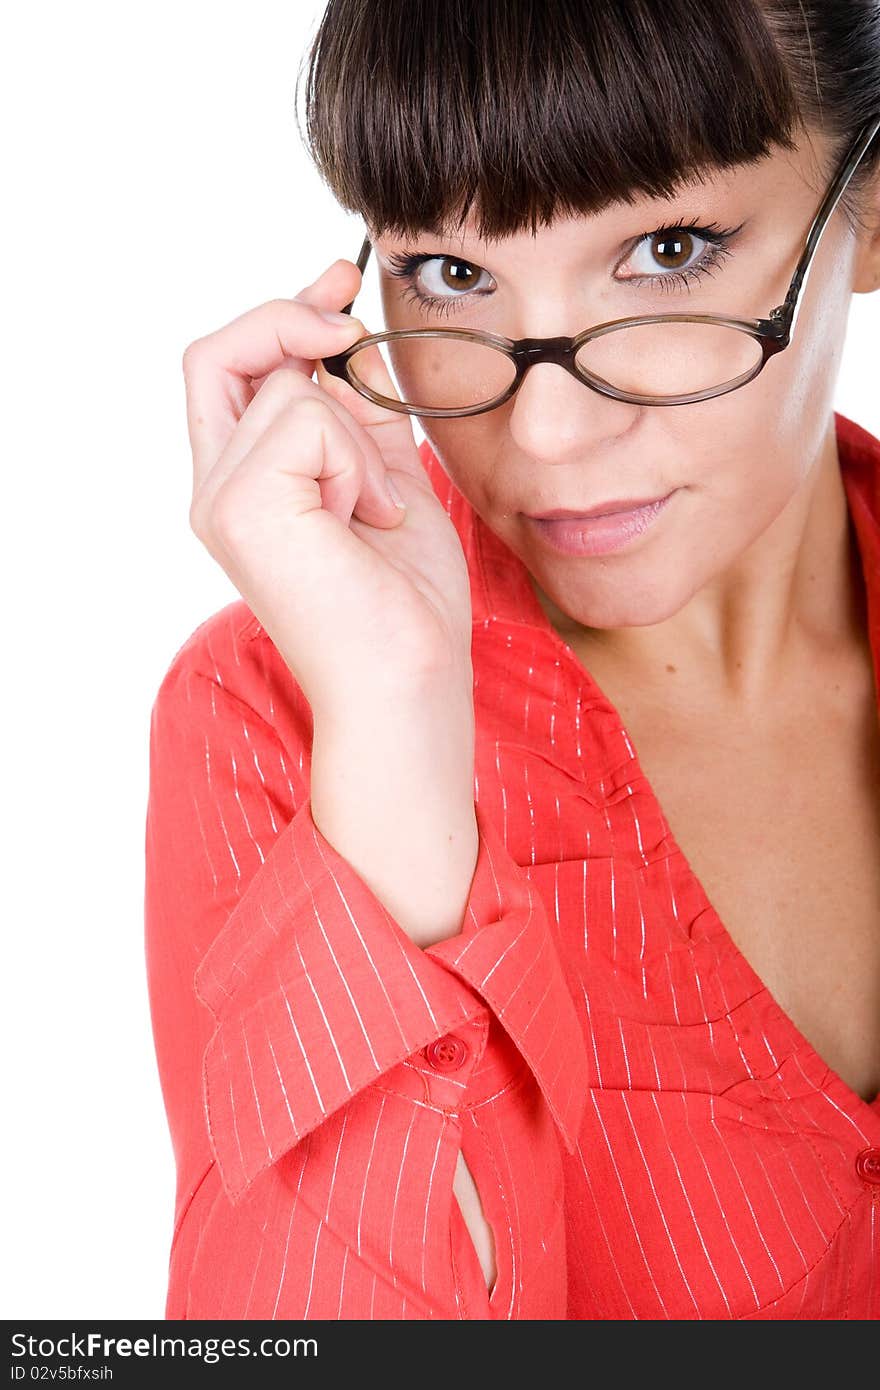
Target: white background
155 188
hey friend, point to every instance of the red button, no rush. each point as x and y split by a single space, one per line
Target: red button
868 1166
449 1053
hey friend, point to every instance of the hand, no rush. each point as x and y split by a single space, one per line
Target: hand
360 599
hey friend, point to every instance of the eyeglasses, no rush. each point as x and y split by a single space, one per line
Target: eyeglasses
445 372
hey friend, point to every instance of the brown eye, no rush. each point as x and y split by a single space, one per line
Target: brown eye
458 275
672 250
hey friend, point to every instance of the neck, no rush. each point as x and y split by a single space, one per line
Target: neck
797 589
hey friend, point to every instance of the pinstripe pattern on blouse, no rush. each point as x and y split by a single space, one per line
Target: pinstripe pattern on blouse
650 1135
309 1112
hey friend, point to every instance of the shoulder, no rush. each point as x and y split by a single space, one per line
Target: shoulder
855 443
230 660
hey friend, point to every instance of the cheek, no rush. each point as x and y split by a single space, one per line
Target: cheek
751 450
789 405
808 381
805 374
467 449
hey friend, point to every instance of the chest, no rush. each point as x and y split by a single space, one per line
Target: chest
780 822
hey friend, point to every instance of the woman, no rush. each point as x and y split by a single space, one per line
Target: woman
512 883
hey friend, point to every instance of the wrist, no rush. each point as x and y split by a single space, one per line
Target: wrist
396 799
411 709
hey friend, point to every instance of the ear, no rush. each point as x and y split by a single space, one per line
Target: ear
866 271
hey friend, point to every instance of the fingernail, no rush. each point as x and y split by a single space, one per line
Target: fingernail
393 493
334 318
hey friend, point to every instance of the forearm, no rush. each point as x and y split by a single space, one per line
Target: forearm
392 791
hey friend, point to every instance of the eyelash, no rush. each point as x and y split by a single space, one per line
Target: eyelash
403 265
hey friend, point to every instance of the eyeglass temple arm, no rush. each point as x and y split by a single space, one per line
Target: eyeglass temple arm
786 313
363 257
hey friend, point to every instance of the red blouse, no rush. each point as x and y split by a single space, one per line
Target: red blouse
650 1134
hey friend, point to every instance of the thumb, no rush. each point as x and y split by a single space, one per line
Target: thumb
334 288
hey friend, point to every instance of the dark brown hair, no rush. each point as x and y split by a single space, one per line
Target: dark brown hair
421 112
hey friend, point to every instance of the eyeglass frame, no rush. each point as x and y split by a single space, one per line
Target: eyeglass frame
773 334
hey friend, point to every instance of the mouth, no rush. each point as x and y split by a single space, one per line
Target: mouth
609 527
611 508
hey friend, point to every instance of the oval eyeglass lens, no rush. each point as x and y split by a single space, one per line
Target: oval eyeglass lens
438 373
670 359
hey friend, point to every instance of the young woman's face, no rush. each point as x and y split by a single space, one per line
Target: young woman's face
731 464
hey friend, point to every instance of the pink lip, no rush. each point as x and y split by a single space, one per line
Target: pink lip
623 504
597 534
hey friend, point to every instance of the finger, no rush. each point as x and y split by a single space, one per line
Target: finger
382 452
220 368
304 461
337 286
398 443
392 429
280 394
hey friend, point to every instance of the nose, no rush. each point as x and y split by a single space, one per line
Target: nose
555 417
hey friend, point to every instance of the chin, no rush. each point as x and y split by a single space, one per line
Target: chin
641 609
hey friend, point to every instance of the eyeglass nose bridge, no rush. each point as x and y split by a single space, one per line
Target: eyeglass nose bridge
559 352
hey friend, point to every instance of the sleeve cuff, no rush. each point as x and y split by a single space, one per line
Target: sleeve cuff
505 951
317 992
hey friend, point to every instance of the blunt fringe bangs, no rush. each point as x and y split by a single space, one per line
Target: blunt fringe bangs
420 113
